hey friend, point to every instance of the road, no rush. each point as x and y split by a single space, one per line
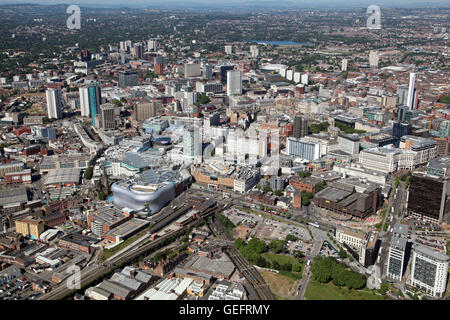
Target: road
396 201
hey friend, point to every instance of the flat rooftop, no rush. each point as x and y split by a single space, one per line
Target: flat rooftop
398 243
401 229
333 194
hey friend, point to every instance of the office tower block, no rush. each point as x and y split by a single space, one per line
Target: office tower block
159 65
152 45
85 55
228 49
402 93
344 64
396 259
192 70
128 79
349 143
234 82
429 270
192 144
444 129
254 51
223 73
107 116
304 148
411 91
401 114
399 130
427 197
305 78
373 59
139 50
54 103
300 127
207 72
145 110
90 100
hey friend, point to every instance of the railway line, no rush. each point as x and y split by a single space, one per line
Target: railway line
95 271
248 271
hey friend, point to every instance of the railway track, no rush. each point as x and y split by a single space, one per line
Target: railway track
94 272
248 271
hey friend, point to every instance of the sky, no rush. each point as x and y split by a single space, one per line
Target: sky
228 3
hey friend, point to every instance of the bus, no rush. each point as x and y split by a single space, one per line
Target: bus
313 224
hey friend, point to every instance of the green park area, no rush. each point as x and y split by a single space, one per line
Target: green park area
333 280
328 291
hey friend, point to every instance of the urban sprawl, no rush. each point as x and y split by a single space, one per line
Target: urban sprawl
190 155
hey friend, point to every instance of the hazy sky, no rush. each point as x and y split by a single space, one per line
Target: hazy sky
275 3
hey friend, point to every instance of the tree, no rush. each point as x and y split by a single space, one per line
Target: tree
407 182
342 253
278 193
276 246
88 173
397 182
306 196
383 289
261 262
101 196
239 243
319 187
202 99
296 267
275 265
286 266
266 189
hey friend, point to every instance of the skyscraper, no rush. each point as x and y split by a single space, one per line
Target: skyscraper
192 144
401 115
207 72
399 130
402 93
427 197
54 103
152 45
300 127
192 70
396 258
128 79
108 121
228 49
223 73
429 270
159 65
411 91
90 100
234 82
145 110
344 64
373 59
254 51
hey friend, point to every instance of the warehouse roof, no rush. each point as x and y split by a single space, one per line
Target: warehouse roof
61 176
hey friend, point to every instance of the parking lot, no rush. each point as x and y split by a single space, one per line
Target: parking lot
18 289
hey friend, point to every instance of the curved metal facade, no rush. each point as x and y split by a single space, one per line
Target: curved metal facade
137 200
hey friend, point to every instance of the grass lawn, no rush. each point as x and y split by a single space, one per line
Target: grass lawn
283 287
280 258
328 291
